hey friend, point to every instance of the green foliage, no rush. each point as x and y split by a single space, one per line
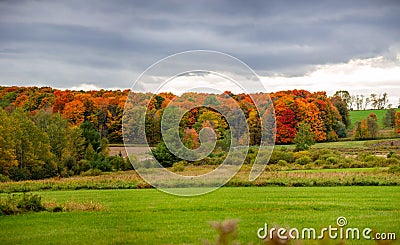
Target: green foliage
389 120
343 108
394 169
281 155
341 130
304 138
16 204
7 143
164 156
4 178
92 172
282 163
303 160
92 137
178 166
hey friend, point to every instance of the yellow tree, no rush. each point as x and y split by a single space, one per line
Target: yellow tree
397 122
7 143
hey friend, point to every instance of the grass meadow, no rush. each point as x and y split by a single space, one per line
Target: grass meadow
359 115
148 216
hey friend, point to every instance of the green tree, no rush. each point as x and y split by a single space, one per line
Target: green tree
90 154
32 147
7 143
92 137
389 120
56 129
75 144
164 156
342 107
341 130
304 138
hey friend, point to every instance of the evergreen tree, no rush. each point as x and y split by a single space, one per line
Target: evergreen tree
304 138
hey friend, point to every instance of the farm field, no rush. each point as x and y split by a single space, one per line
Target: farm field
359 115
152 217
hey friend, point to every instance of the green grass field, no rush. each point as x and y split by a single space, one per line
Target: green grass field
359 115
152 217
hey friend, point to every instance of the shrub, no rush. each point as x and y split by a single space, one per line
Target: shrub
18 174
282 163
394 169
303 160
281 155
319 162
104 165
178 166
392 161
92 172
69 162
301 154
318 153
4 178
332 160
374 161
116 162
393 155
14 204
202 162
84 165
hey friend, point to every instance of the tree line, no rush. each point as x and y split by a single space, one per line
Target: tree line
361 102
47 132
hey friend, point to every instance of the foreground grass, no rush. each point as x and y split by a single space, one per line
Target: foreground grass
151 217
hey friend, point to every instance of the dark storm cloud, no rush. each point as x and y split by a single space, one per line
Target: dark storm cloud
109 43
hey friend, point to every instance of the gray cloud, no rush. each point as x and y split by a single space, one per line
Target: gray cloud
66 43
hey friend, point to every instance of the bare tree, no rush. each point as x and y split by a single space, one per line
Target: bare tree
374 101
367 101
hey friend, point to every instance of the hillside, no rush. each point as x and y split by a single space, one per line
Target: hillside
359 115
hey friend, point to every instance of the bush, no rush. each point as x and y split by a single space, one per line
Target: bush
282 163
84 165
320 162
92 172
392 161
374 161
332 160
69 162
4 178
393 155
318 153
116 162
18 174
178 166
303 160
281 155
14 204
202 162
394 169
301 154
104 165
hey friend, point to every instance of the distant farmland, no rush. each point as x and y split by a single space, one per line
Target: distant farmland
359 115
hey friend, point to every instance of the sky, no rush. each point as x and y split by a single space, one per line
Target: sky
313 45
